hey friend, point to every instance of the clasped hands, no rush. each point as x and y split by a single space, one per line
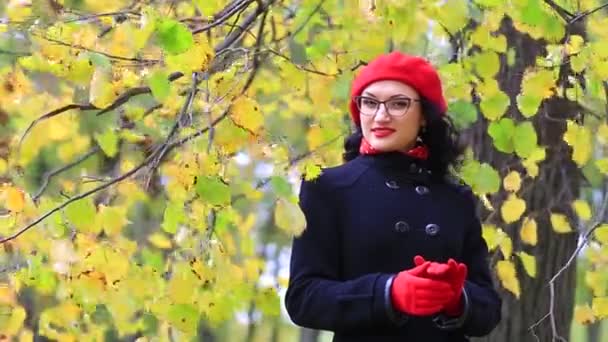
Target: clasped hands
429 287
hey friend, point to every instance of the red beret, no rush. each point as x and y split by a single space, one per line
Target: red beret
411 70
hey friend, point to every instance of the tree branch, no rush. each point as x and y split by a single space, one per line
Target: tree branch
597 222
586 13
303 25
237 6
563 13
48 176
51 114
118 58
185 109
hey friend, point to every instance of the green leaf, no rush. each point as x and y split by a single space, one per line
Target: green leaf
100 60
81 213
487 180
463 113
319 49
297 52
525 139
173 36
213 190
528 104
160 85
487 64
108 141
495 106
174 215
502 134
184 317
533 14
281 186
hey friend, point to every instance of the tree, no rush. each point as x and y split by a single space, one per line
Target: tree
159 143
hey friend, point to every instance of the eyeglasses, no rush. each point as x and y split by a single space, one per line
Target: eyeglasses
394 107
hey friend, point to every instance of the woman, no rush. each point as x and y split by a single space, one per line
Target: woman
392 250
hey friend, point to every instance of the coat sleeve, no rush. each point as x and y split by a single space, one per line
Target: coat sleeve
317 297
481 300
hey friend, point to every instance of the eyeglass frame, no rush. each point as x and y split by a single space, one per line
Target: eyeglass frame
400 97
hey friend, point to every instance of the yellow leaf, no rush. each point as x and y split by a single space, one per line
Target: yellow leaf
15 199
490 234
197 58
506 245
160 240
579 138
528 231
289 217
601 233
496 237
602 165
582 209
574 45
560 223
101 93
16 320
512 182
599 305
529 262
246 113
531 167
3 166
583 314
508 276
602 134
314 137
512 208
597 281
312 171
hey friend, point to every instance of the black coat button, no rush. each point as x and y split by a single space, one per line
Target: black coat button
402 227
392 184
414 168
432 229
422 190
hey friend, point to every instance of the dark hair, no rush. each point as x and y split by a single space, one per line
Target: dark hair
440 136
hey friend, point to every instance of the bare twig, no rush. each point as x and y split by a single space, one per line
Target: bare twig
586 13
274 52
51 114
183 112
48 176
597 222
239 7
256 56
84 48
303 25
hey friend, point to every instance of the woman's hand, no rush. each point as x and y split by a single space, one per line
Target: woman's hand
452 272
416 294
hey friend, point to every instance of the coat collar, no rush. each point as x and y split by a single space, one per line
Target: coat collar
399 163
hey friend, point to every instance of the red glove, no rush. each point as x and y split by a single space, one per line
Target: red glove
416 295
452 272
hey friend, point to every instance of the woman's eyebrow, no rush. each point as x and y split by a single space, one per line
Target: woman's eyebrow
392 96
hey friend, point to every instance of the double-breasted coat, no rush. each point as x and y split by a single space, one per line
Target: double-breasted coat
365 221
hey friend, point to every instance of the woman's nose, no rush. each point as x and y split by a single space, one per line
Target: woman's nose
382 114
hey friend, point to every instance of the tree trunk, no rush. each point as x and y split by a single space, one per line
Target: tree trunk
553 190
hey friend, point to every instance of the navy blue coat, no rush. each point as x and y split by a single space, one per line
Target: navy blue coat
366 220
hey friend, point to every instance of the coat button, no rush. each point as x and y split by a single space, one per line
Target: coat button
413 168
432 229
402 227
392 184
422 190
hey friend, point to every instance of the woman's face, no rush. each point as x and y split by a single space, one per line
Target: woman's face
395 132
